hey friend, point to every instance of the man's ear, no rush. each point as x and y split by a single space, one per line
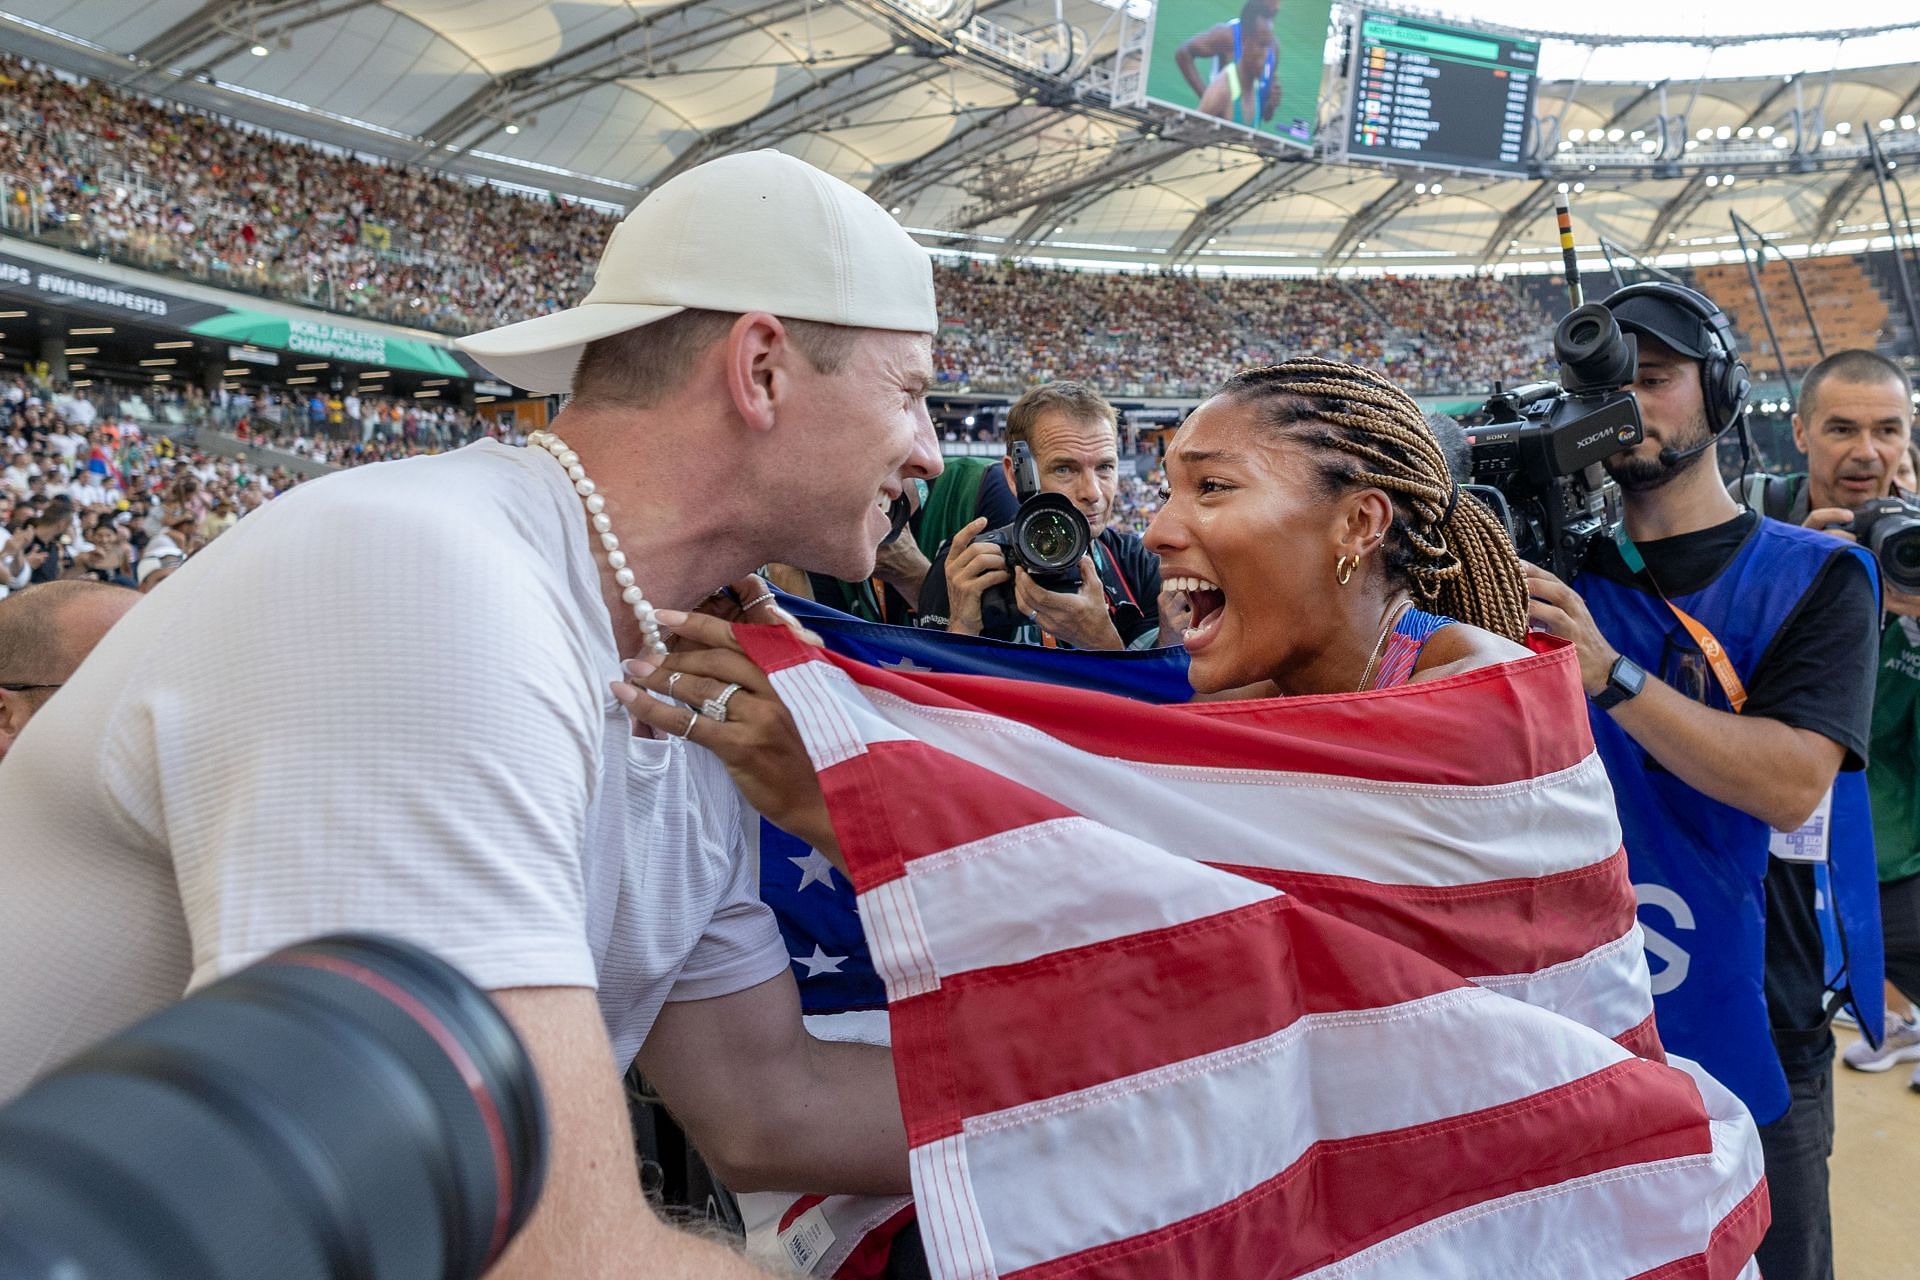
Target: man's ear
1799 434
757 357
14 712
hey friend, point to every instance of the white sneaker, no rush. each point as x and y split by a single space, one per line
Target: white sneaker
1901 1045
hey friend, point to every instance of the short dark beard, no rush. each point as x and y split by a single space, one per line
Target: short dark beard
1635 474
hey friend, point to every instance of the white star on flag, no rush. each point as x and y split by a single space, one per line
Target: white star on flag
905 664
820 962
814 867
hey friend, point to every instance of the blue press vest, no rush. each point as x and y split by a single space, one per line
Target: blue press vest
1699 866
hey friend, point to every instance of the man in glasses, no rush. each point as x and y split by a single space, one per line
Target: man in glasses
46 632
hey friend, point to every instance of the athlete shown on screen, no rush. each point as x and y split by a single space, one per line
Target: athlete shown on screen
1244 87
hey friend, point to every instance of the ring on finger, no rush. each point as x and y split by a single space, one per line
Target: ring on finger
670 679
693 718
715 708
756 602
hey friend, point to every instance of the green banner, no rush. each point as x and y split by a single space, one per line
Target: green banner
331 342
1375 31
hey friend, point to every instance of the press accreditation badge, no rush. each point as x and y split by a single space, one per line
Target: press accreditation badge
1808 843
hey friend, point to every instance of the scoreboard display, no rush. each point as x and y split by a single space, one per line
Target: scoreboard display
1432 94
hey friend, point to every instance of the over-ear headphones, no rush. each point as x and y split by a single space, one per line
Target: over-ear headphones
1724 381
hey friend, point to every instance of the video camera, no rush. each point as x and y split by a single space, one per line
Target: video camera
1536 451
351 1106
1047 537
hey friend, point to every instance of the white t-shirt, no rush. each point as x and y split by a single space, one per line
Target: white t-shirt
379 704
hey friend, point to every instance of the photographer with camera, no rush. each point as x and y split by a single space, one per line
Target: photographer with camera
1108 596
1855 424
1729 662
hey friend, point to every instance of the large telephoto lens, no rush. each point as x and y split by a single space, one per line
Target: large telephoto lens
349 1107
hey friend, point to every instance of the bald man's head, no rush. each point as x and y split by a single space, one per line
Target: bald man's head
46 632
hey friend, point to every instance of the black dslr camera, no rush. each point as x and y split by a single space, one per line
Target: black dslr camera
1890 529
1047 538
1536 451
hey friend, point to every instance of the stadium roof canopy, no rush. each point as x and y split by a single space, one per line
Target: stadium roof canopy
991 126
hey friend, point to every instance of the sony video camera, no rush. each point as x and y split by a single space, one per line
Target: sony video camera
1890 529
1536 451
1047 538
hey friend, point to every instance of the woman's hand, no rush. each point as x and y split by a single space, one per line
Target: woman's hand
757 740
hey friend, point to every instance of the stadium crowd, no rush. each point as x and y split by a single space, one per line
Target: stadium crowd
1005 328
152 184
90 489
163 187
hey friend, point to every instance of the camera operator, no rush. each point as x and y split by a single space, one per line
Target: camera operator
237 765
1728 660
1076 448
1855 424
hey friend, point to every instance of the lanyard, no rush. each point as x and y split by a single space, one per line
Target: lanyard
1710 647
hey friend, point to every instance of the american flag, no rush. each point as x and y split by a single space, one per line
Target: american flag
1343 986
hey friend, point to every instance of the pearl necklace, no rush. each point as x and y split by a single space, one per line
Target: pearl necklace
631 594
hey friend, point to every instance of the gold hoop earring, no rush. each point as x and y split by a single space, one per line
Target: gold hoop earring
1343 569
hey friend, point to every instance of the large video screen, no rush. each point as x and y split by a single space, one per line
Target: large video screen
1439 95
1255 63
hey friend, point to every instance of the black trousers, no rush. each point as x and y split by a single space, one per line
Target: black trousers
1799 1244
1900 927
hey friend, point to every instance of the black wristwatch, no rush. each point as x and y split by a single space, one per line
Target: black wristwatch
1625 680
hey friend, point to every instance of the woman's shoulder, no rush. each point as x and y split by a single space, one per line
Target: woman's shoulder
1460 647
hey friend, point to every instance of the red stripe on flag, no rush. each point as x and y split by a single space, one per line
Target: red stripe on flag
1505 723
1513 926
916 814
1350 1194
1728 1248
1073 1019
1643 1040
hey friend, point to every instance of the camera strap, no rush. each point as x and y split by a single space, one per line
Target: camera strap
1710 647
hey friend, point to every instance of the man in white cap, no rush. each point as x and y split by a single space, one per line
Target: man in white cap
382 703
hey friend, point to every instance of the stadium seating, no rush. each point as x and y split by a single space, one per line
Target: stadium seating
104 172
1846 305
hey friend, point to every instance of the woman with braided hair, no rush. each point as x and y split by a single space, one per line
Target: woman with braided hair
1321 541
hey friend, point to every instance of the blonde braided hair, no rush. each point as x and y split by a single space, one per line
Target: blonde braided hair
1446 547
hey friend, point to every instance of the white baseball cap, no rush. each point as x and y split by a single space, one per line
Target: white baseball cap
754 232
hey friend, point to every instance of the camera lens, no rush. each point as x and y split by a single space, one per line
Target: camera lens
1050 539
352 1106
1898 551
